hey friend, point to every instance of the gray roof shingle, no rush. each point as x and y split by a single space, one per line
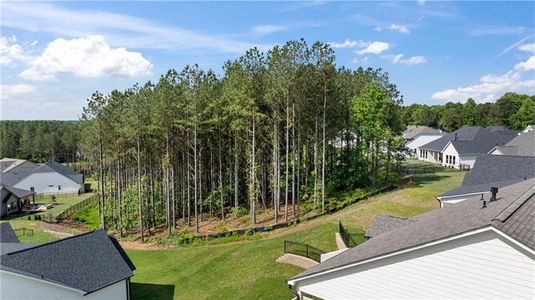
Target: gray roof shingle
7 235
472 140
522 145
495 170
446 222
413 131
385 223
53 166
19 193
86 262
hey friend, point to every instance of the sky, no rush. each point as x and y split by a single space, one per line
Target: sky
54 55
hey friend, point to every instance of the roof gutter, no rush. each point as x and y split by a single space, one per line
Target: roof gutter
294 291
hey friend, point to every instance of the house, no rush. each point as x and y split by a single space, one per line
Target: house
522 145
459 149
416 136
490 171
13 199
50 178
473 250
87 266
13 164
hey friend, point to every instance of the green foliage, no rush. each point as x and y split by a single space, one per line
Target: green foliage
88 216
40 141
238 212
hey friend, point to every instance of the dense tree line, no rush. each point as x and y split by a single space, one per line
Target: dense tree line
275 131
512 110
40 141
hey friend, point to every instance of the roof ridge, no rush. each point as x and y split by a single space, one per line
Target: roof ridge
510 209
55 241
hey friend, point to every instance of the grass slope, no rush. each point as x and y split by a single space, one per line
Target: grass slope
248 270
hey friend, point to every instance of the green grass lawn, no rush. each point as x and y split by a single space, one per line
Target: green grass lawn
248 270
39 235
88 216
64 202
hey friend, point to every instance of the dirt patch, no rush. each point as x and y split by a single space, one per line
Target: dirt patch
138 246
296 260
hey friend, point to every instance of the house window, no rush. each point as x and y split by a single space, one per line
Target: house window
453 160
50 185
59 187
32 189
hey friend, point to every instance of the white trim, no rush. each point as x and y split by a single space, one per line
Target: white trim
44 281
449 142
439 198
425 245
501 233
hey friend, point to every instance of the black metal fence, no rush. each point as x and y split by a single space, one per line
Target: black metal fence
346 236
303 249
77 207
23 231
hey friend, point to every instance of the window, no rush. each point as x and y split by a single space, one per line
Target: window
453 160
32 189
59 187
50 185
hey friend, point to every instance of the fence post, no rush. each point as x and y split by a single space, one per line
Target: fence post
307 250
284 246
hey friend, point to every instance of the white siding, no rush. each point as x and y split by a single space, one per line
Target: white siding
17 287
454 157
421 140
480 266
47 183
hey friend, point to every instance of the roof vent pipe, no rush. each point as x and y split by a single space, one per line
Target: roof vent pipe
494 191
484 201
455 136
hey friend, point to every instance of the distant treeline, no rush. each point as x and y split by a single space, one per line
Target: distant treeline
512 110
40 141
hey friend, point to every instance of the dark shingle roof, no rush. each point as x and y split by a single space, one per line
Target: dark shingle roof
413 131
495 170
53 166
12 178
19 193
472 140
522 145
445 222
86 262
6 248
7 235
384 223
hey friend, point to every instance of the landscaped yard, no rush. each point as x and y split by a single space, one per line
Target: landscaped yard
248 270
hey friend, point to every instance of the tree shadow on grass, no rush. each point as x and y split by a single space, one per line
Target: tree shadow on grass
152 291
428 179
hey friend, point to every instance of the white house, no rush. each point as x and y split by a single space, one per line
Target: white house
416 136
464 251
87 266
50 178
461 148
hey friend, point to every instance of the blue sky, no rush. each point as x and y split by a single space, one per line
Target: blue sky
54 55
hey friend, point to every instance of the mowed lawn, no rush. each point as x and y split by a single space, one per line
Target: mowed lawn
248 270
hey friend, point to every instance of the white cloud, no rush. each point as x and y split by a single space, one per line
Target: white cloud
413 60
421 2
119 30
527 65
394 27
497 30
490 88
527 47
374 48
268 29
11 53
348 44
85 57
7 91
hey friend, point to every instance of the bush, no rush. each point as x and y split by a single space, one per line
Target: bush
239 211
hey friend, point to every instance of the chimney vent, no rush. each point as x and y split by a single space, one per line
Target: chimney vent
455 136
494 191
484 201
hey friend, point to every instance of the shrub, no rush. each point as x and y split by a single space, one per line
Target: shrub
238 212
